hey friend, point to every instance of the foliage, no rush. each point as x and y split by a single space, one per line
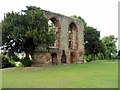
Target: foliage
118 55
6 62
13 56
26 62
80 19
110 47
94 47
101 56
94 44
24 31
16 58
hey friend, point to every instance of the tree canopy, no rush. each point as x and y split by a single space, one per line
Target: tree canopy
109 44
94 44
24 31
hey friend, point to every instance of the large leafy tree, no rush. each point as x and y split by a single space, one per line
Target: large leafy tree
24 31
94 44
110 46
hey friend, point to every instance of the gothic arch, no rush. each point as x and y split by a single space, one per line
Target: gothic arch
73 36
56 22
56 29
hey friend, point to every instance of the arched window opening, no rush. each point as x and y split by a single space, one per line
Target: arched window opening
72 36
54 26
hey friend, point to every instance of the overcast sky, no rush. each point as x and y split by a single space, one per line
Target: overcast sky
100 14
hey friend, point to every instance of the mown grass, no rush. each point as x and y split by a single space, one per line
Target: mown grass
101 74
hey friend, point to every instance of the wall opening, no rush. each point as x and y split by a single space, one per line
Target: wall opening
72 36
54 59
54 25
72 41
72 57
63 58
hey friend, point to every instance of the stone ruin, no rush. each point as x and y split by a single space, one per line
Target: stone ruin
69 46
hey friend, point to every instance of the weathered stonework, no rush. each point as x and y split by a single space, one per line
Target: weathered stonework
70 41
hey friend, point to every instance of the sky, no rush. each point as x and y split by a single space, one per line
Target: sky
100 14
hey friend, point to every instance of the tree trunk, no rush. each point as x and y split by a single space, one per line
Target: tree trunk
32 56
27 54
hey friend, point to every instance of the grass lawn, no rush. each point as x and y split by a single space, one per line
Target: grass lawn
101 74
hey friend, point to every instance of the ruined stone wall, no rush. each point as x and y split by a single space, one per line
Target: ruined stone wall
42 58
62 23
39 58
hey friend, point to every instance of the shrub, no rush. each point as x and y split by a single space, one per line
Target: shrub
6 62
26 62
13 57
19 64
16 58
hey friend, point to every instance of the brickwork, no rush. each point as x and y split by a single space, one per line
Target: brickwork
39 58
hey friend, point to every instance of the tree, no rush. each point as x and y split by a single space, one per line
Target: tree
110 47
118 55
94 45
24 31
